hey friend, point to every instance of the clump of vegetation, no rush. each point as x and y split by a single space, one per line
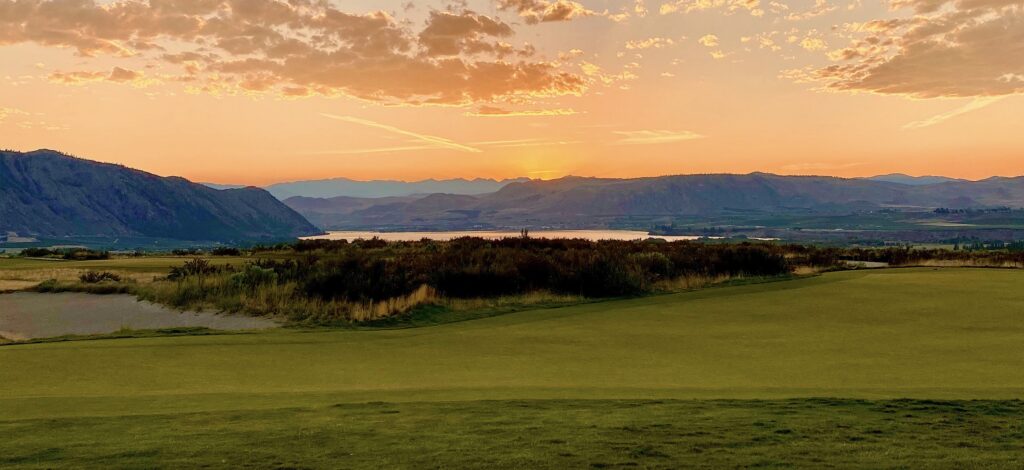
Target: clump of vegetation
96 277
339 281
906 256
54 286
226 251
74 254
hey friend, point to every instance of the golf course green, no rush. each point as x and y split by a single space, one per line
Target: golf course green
873 368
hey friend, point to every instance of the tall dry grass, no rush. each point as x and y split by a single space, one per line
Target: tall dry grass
281 300
691 282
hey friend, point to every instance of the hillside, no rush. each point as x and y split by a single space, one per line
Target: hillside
48 194
595 202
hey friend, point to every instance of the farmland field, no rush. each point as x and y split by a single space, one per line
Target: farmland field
804 372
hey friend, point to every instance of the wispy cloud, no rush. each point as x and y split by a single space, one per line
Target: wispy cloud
4 112
408 148
525 143
647 137
492 111
430 140
974 105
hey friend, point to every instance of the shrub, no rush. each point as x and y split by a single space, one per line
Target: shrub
85 255
94 277
193 267
252 277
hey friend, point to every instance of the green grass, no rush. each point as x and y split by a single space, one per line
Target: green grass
537 434
459 388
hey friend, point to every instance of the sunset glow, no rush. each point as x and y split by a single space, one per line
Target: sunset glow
262 91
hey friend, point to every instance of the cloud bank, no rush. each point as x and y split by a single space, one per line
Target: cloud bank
962 48
301 47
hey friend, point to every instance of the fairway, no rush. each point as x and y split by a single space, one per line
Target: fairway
877 334
142 264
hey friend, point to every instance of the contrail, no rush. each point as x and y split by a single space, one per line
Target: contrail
430 139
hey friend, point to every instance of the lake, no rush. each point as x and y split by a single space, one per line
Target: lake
593 235
27 315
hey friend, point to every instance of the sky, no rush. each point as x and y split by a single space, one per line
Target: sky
263 91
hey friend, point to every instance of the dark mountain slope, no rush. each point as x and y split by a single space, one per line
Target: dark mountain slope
46 193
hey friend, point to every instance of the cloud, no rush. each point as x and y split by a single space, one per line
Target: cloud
23 119
973 105
405 148
449 34
709 40
821 7
813 44
648 137
430 140
968 48
116 75
543 11
493 111
730 6
5 112
78 77
595 72
526 143
649 43
228 46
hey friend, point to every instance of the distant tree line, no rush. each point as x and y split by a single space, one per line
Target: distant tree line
989 210
76 254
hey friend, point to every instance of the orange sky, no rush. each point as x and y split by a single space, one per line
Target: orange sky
261 91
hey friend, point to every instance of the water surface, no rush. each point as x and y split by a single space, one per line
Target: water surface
27 315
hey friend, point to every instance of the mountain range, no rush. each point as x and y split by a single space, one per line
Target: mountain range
47 194
344 187
575 202
50 194
349 188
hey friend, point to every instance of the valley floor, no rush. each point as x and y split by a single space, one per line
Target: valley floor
719 377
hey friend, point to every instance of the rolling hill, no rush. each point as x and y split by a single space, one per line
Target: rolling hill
49 194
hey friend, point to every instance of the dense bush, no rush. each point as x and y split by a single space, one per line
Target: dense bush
75 254
95 277
226 251
194 267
